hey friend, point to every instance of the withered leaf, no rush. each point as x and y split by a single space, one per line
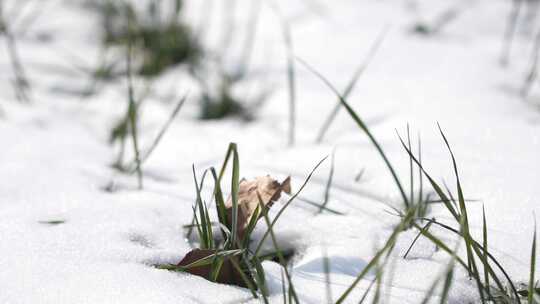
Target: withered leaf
269 190
228 274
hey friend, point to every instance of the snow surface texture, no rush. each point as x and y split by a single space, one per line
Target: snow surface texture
55 160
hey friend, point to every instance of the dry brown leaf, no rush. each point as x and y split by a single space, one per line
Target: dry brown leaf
268 188
227 275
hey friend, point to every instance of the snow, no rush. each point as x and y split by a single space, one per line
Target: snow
55 159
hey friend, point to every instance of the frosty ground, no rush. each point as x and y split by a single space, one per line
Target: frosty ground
55 159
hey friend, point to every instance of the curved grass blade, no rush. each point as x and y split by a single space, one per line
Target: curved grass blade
351 85
280 212
530 297
328 183
362 126
278 251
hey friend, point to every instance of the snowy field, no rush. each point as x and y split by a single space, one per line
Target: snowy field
75 230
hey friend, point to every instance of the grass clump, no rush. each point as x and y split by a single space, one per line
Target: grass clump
218 98
160 42
234 259
484 270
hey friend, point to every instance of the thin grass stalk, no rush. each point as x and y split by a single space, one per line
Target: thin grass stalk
484 256
426 227
318 205
531 76
249 42
387 246
280 212
327 280
411 173
445 200
479 251
531 290
276 248
235 182
362 126
328 183
465 219
364 296
228 32
351 85
252 288
20 82
133 112
164 129
510 30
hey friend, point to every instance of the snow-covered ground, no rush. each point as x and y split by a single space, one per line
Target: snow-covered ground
55 157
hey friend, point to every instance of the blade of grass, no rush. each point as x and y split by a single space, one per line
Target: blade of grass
235 182
205 261
352 84
319 205
511 26
445 200
465 218
164 129
411 173
362 126
326 267
278 251
479 250
133 112
387 246
245 278
484 256
530 297
426 227
280 212
220 204
328 183
364 296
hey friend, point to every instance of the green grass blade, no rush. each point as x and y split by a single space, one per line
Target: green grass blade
164 129
351 85
464 219
235 182
251 226
278 251
280 212
426 227
226 160
530 297
445 200
484 255
327 280
220 204
133 114
411 169
406 220
328 183
362 126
